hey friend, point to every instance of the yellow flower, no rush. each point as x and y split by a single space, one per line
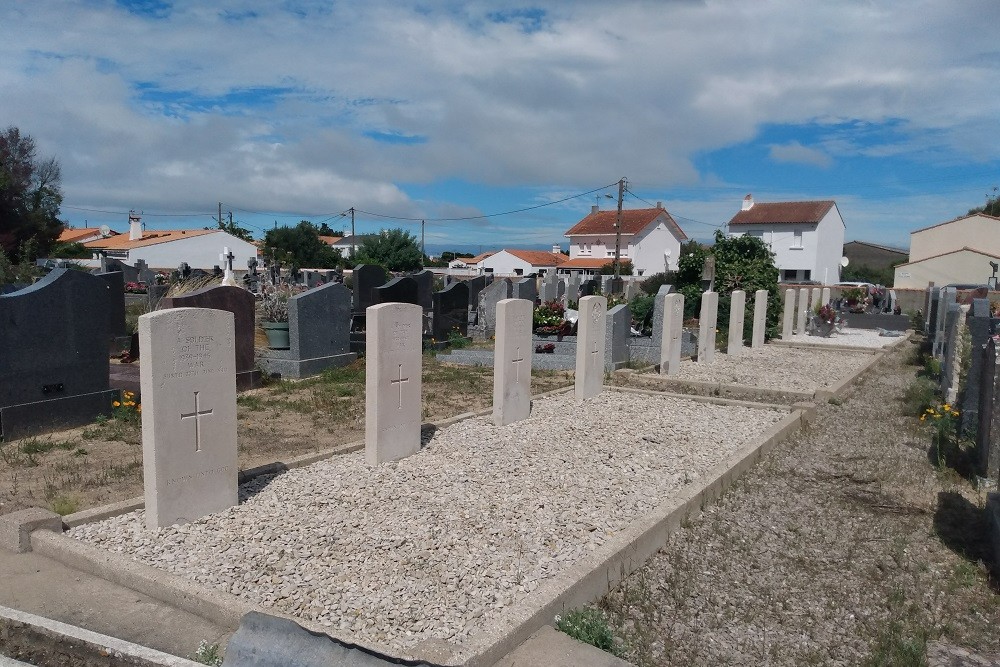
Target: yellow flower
930 411
937 416
923 417
138 408
116 404
946 407
954 413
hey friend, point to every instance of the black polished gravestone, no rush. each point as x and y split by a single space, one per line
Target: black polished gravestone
54 354
451 311
425 287
240 303
476 285
366 278
398 290
116 310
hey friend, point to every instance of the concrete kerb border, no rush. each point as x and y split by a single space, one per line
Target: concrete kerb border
844 348
19 626
702 385
621 555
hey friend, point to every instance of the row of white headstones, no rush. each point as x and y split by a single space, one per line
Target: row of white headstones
794 320
188 385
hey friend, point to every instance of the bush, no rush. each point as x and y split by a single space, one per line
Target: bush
651 285
642 309
590 626
920 395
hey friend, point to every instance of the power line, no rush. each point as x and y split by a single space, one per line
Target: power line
145 215
674 215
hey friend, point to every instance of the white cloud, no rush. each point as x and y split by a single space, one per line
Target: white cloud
796 153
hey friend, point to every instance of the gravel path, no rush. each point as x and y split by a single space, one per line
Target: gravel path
844 546
431 545
849 338
777 367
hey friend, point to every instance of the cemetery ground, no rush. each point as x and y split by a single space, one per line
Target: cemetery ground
99 464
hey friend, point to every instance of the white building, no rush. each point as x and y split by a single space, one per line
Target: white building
345 244
509 262
166 249
956 251
806 237
650 239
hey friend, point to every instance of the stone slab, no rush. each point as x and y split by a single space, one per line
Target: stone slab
802 311
707 324
673 321
188 379
788 315
512 361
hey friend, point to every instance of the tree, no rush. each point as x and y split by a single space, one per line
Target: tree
689 269
992 206
325 230
624 268
395 249
746 263
29 196
234 229
300 247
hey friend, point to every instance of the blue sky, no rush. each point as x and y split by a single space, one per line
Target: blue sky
306 108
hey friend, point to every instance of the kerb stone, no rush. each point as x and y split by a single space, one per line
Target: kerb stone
512 361
737 313
759 318
393 366
188 381
590 342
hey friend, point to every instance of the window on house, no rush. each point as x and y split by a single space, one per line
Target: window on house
518 272
797 239
789 274
807 274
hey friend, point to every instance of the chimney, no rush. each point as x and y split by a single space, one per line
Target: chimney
594 209
134 226
556 250
659 204
748 202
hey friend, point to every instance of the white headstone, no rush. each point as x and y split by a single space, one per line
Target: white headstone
824 296
673 327
803 311
590 341
187 359
393 366
512 362
707 323
788 317
814 303
759 317
737 312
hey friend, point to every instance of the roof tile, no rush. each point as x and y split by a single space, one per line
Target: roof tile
789 212
633 222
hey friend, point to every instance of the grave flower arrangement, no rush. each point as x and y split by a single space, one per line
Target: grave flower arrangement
274 303
826 313
135 288
854 296
548 318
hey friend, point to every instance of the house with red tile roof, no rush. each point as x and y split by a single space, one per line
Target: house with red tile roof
806 237
650 239
513 262
82 234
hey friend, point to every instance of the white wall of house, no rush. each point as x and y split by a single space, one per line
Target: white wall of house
596 246
976 231
961 266
646 250
829 247
813 247
200 252
505 264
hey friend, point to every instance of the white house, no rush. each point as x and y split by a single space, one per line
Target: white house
509 262
166 249
956 251
345 244
650 239
806 237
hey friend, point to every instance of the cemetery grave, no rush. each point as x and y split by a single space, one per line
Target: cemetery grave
443 542
849 337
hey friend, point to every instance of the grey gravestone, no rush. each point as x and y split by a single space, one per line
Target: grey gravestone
488 299
927 306
476 285
573 289
526 288
948 297
402 289
560 290
313 279
988 431
240 303
319 324
550 287
451 310
425 287
931 328
116 303
54 354
606 284
366 278
659 303
143 273
153 295
631 289
978 323
954 321
617 332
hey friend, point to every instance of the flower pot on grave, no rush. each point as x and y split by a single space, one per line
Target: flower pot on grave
277 335
822 327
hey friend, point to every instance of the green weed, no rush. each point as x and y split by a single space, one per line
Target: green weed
590 626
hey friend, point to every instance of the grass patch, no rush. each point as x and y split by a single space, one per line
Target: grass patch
63 504
590 626
920 395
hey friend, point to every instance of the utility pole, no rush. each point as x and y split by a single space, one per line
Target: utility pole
423 248
220 215
354 243
618 231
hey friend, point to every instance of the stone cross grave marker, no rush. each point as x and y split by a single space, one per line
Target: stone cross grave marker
672 330
759 318
512 361
788 316
737 315
188 381
590 342
803 311
227 258
393 366
707 323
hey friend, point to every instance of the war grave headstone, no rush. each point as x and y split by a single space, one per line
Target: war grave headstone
737 314
948 297
671 332
425 287
988 427
788 315
488 300
802 313
618 330
512 361
590 342
54 354
606 284
450 308
366 278
188 380
525 288
402 289
572 288
759 318
319 323
393 366
707 324
980 330
240 303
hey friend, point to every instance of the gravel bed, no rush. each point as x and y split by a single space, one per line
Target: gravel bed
843 546
849 338
431 546
776 367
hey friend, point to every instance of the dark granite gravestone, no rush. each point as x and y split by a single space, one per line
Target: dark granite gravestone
129 273
590 287
319 323
153 295
988 429
525 288
54 354
116 309
476 285
366 278
979 324
451 310
618 323
240 303
13 287
425 287
402 289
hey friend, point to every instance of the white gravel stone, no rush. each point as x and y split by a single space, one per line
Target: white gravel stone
849 337
434 544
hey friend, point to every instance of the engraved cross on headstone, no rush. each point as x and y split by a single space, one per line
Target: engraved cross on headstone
196 415
399 382
517 367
